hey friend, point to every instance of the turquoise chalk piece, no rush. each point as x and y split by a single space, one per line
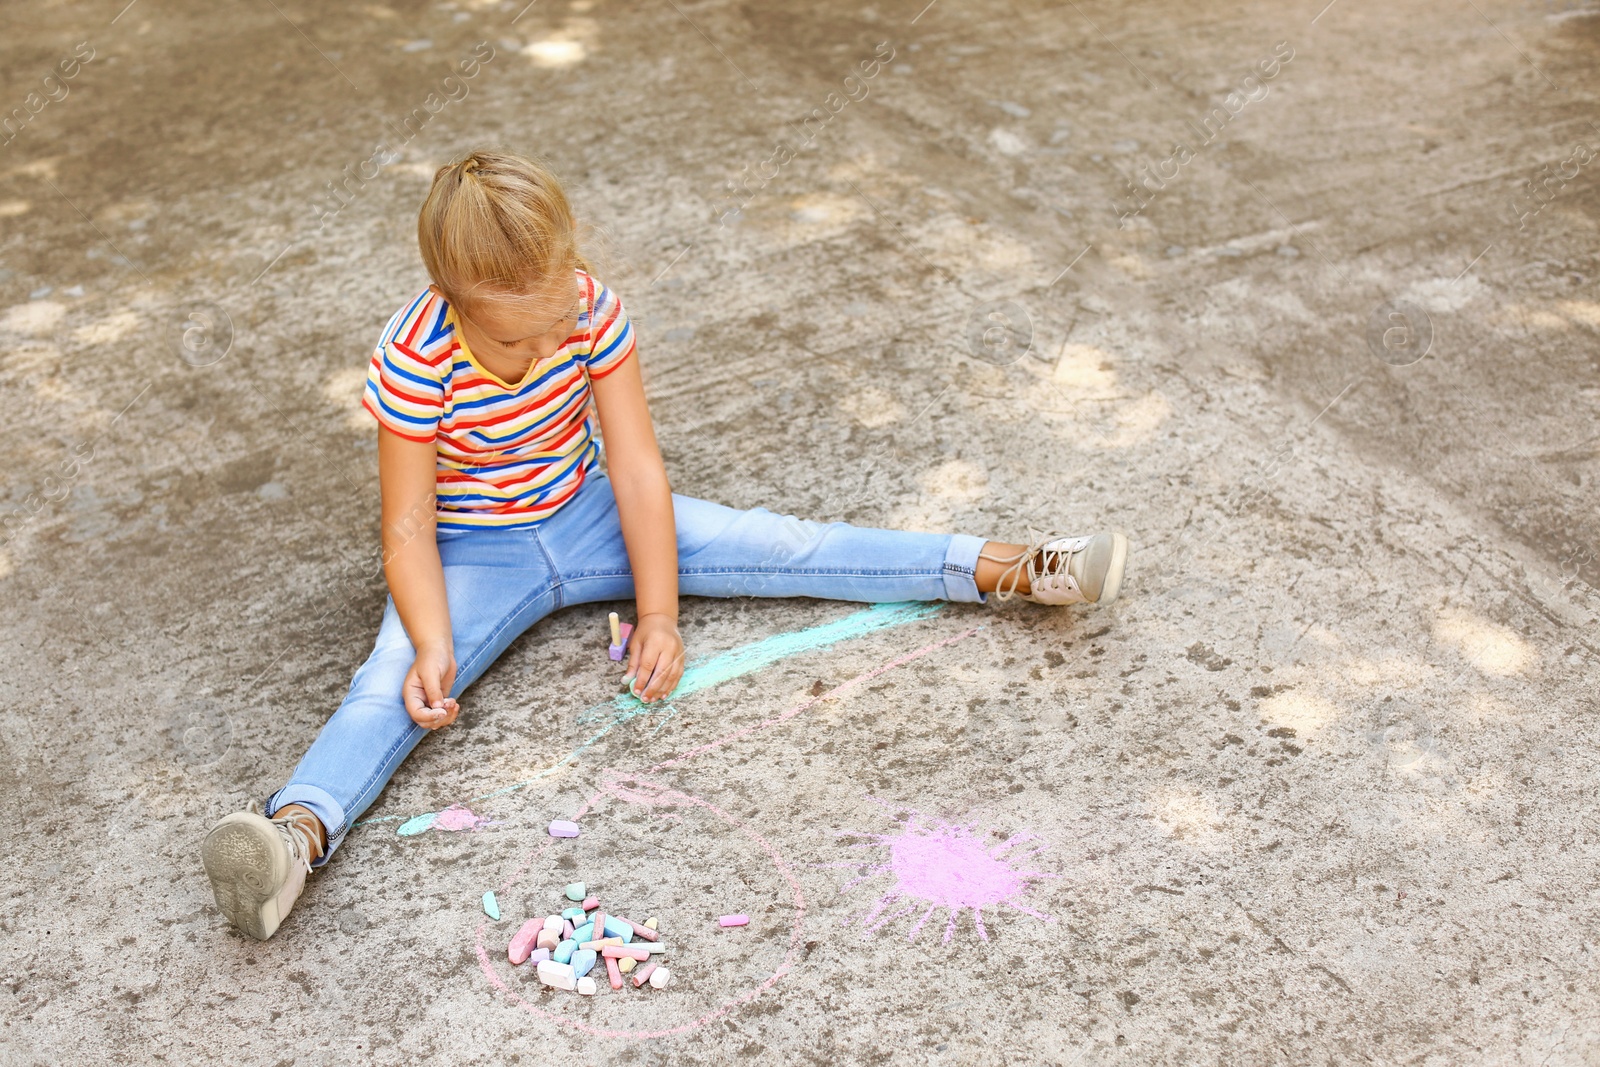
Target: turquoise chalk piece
577 891
575 914
491 907
615 927
584 933
564 951
583 961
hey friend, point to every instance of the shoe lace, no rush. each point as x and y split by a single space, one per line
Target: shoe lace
299 832
1053 563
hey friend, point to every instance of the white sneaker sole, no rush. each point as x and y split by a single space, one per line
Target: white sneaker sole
1119 562
248 866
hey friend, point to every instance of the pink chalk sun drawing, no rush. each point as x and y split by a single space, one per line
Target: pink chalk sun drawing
937 865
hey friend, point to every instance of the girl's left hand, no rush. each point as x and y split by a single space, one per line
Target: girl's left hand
655 658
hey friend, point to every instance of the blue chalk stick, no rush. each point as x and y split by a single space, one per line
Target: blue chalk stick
583 961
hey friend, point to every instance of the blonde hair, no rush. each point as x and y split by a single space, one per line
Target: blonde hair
498 222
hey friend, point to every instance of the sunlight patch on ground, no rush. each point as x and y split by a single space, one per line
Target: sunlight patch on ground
108 330
1188 816
873 407
566 47
956 479
1488 646
1085 372
343 390
36 318
1307 713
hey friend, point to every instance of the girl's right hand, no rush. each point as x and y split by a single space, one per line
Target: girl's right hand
427 686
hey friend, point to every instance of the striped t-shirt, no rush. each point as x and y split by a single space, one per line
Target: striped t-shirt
508 455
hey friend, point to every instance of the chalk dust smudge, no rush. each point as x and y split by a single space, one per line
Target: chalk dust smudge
936 864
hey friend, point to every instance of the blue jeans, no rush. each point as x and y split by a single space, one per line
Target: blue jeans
500 582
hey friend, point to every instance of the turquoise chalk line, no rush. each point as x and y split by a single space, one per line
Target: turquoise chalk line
720 668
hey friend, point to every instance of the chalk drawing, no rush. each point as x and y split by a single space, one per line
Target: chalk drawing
650 795
635 789
944 865
457 818
723 667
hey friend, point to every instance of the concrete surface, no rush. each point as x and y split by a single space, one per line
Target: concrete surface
1320 789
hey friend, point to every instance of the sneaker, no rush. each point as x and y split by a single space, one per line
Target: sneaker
258 867
1066 570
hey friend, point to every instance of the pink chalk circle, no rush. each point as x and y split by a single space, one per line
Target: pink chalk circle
562 828
733 920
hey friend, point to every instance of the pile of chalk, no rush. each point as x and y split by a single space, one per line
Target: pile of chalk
565 948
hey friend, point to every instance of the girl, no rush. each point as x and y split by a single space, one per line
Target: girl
486 388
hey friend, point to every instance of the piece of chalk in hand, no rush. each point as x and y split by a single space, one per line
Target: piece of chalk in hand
733 920
619 647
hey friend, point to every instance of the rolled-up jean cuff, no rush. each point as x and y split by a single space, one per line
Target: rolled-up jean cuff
961 568
319 803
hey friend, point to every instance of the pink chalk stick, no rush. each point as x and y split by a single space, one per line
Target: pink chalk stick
733 920
522 943
567 929
625 952
562 828
640 930
642 975
614 973
590 903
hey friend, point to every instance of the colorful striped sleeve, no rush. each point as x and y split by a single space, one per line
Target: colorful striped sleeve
404 392
613 333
